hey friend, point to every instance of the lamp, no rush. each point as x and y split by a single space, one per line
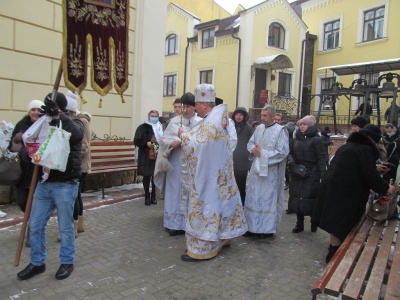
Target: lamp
388 88
358 87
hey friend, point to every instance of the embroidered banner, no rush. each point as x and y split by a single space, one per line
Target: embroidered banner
103 25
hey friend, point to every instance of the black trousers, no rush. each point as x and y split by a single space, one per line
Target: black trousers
241 177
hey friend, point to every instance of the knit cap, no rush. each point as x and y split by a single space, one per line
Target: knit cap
72 104
307 120
359 121
35 104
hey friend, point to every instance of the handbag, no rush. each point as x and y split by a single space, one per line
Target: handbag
54 151
10 171
381 208
299 171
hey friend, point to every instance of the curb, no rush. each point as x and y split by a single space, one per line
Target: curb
94 204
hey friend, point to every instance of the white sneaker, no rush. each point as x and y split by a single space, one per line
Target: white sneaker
2 214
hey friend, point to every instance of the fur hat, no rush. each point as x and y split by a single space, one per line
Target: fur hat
204 93
372 131
359 121
307 120
35 104
188 99
72 103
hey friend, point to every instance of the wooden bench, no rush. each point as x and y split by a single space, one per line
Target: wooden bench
112 156
367 264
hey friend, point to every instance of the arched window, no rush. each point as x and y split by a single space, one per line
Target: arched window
276 35
171 45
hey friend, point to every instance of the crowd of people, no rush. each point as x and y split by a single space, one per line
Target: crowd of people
221 177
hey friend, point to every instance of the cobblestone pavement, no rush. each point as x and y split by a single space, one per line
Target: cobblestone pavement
126 254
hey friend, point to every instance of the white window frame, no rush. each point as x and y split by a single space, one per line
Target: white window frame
177 44
201 38
322 33
287 35
360 30
206 69
292 84
165 95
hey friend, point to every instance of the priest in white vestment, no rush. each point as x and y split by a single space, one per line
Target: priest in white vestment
268 147
168 179
215 212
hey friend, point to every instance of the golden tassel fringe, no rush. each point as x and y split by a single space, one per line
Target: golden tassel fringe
83 100
101 103
122 99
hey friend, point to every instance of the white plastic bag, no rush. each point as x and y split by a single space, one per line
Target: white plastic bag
54 151
36 134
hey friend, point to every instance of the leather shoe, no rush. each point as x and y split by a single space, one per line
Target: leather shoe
153 200
64 271
173 232
31 271
188 258
147 201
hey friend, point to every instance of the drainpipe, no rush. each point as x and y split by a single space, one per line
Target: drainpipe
301 75
238 68
184 72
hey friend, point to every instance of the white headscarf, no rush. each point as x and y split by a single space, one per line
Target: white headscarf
157 129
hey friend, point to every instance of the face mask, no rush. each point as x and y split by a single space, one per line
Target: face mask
154 120
391 133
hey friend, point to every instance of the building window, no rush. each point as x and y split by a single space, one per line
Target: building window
208 38
206 76
171 44
285 85
169 85
331 34
276 36
326 83
373 24
372 79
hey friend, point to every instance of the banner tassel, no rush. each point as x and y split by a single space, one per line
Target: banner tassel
83 100
101 103
122 99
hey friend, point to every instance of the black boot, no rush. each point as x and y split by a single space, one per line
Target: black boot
299 227
331 252
153 199
147 200
314 227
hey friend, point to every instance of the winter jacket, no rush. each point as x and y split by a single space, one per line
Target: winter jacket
144 133
309 151
25 161
244 132
73 169
85 151
345 186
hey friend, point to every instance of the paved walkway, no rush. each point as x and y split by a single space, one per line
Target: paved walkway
126 254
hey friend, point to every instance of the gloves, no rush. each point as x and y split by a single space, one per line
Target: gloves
50 108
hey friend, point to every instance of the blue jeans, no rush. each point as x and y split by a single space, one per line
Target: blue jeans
47 197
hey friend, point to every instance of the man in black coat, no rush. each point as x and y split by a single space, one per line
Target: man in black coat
241 162
59 192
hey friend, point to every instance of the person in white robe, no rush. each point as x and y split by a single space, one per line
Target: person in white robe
268 147
215 213
167 174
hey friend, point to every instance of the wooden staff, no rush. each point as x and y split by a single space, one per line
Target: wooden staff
34 180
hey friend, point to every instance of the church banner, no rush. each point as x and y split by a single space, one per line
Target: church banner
102 27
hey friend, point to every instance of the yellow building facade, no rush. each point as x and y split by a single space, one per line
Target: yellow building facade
349 32
259 49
